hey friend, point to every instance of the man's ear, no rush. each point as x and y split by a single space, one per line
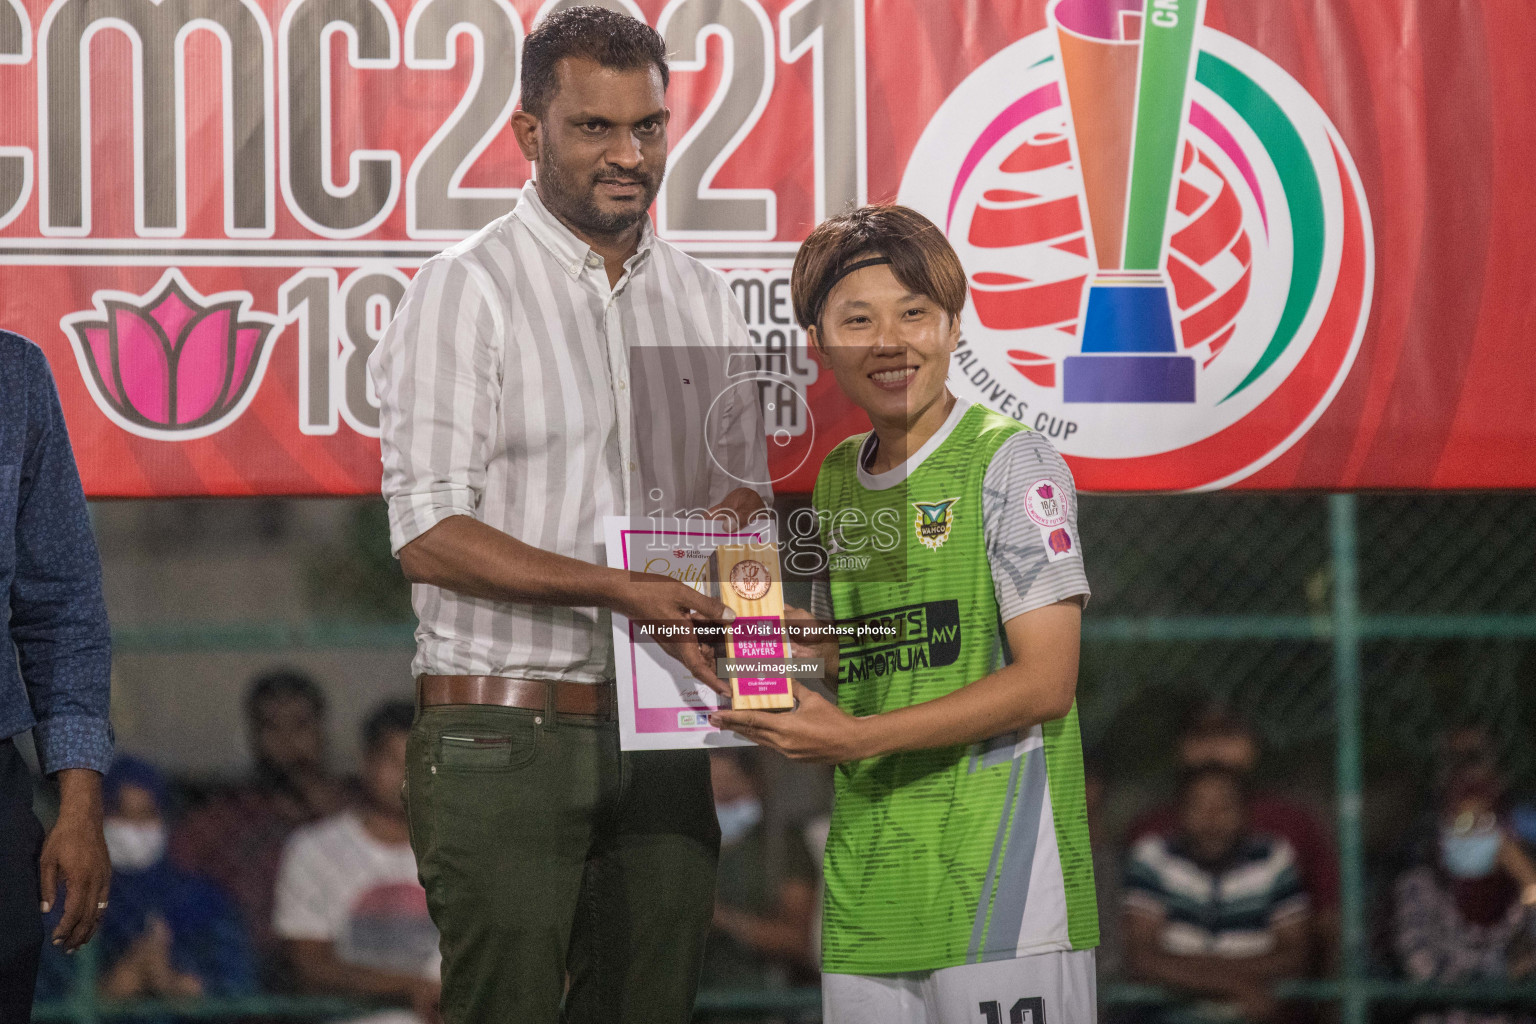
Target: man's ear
526 128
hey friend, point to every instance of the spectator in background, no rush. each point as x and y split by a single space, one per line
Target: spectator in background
349 907
1470 746
1216 910
1464 913
763 911
237 839
165 933
1217 735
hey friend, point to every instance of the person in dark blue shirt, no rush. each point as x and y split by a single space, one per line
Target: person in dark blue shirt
55 659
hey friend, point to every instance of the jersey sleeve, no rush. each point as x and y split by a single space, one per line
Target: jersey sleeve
1029 515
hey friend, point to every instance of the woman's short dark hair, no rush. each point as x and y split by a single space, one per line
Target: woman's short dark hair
610 39
921 258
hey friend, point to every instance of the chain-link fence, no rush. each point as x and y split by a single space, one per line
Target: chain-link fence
1353 632
1230 596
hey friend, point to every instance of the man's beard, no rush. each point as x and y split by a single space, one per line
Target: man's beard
573 200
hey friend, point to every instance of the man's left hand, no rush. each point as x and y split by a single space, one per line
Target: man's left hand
817 731
76 855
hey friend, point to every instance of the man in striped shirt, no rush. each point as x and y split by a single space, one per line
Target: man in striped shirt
1216 910
511 383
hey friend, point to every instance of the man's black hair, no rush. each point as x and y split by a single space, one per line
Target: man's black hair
283 682
611 39
390 717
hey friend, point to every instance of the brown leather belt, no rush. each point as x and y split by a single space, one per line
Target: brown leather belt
593 700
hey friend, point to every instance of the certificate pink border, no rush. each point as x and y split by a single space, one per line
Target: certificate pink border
655 720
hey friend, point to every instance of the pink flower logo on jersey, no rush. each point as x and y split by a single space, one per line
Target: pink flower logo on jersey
1046 491
171 364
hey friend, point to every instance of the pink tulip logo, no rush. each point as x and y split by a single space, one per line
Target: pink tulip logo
171 364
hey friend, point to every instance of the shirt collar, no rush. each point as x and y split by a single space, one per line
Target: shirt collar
570 252
896 474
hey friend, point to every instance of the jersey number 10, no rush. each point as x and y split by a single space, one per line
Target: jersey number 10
1030 1010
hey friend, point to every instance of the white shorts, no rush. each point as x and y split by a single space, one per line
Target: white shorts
1047 988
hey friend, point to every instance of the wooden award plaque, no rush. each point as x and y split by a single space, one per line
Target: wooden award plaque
750 586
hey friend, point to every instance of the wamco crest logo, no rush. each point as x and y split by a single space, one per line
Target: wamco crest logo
171 364
1168 245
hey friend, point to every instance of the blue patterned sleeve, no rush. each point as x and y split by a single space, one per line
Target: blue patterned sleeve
58 614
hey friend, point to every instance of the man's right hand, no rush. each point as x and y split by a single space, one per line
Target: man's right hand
651 597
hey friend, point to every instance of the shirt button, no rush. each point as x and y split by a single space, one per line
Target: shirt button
594 260
621 385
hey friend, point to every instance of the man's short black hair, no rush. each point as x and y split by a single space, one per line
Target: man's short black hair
390 717
283 682
611 39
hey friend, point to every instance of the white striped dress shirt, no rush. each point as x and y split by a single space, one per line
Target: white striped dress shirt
510 385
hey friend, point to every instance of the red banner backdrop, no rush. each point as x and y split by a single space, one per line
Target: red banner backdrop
1210 243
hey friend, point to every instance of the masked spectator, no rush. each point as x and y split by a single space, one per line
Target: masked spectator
349 907
1460 915
237 839
1216 910
166 932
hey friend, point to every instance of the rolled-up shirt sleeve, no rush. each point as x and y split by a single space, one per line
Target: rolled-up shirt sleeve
437 374
58 614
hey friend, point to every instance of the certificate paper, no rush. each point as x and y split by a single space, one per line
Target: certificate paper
661 706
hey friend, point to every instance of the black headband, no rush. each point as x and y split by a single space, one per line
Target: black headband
826 289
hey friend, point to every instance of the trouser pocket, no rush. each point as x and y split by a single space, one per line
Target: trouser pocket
501 813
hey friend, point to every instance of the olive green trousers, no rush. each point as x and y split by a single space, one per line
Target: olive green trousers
569 881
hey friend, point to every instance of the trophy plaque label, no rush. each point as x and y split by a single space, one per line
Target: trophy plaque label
661 705
752 588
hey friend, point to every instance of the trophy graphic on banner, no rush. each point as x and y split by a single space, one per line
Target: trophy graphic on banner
1126 66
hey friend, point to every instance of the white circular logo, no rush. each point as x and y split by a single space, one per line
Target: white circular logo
1172 318
1046 504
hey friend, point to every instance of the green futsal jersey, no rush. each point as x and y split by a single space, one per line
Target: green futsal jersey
968 853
